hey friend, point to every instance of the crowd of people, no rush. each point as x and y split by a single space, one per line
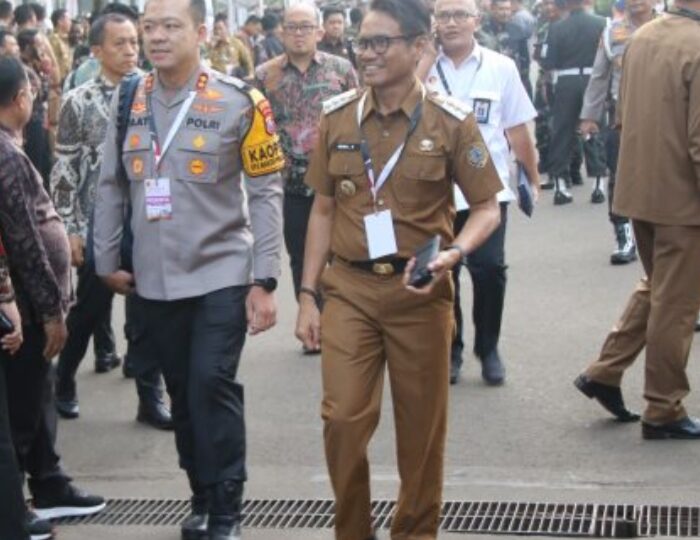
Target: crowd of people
170 166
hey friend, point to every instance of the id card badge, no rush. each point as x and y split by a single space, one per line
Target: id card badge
381 239
159 202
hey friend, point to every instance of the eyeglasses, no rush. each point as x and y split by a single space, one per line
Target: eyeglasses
459 16
303 29
379 44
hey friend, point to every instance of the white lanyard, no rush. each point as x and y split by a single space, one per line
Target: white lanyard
157 150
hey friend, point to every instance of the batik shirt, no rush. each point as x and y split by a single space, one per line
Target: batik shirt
79 146
297 101
6 292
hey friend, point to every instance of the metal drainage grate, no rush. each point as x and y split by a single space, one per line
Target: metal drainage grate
542 519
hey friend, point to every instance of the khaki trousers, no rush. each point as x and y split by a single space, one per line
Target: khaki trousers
660 315
370 322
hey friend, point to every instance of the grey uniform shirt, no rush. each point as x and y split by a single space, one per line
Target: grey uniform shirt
226 226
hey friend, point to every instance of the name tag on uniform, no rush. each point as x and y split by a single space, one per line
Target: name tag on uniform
482 110
381 239
159 202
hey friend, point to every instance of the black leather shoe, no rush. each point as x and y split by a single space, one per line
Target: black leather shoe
155 414
492 370
67 408
561 198
597 196
226 500
610 397
107 363
195 527
685 428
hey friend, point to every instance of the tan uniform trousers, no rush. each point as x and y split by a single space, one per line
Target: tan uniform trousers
660 315
370 321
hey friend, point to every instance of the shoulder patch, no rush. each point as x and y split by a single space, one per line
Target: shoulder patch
261 153
231 81
340 101
453 106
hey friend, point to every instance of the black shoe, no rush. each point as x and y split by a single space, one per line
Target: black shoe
39 529
128 368
107 363
225 502
597 196
67 408
155 414
62 499
195 527
685 428
610 397
625 249
492 370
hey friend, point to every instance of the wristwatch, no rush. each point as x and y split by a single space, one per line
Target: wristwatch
268 284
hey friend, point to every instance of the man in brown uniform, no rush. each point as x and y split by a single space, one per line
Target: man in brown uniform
370 316
659 189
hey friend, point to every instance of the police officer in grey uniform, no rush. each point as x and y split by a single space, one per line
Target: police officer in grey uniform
599 109
206 254
570 51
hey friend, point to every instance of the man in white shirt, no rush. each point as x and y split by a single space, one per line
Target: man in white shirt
488 82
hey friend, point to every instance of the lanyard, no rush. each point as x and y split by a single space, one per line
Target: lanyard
443 78
159 151
376 184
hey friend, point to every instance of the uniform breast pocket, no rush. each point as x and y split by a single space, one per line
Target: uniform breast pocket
137 157
348 174
421 179
197 157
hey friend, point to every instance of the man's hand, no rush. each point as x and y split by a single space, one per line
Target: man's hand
56 336
308 329
121 282
439 267
261 310
588 128
12 342
77 250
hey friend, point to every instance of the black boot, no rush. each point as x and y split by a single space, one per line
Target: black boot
625 250
155 413
561 192
195 525
598 195
226 500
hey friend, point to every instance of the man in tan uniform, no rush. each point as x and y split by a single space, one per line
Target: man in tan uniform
413 146
201 159
659 189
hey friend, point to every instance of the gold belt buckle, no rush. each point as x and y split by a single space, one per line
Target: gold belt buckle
383 269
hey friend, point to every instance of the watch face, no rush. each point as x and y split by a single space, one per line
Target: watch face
269 284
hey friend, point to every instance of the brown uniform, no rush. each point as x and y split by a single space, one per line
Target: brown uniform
369 319
659 189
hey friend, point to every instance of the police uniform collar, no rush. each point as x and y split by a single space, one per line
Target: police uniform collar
160 92
407 106
474 55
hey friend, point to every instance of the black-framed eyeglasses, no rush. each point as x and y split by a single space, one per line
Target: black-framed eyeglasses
303 29
458 15
379 44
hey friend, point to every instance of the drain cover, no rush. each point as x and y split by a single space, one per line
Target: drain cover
521 518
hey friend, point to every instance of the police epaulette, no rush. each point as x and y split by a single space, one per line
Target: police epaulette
233 81
340 101
455 107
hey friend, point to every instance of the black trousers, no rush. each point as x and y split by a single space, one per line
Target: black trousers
297 209
199 342
612 145
12 507
32 415
487 268
566 108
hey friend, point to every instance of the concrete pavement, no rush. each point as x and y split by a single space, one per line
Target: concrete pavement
534 439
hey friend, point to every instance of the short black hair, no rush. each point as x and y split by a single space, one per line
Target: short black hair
412 15
57 15
25 39
356 16
332 10
253 19
198 11
13 77
99 27
23 14
221 17
39 11
5 9
120 9
4 32
270 22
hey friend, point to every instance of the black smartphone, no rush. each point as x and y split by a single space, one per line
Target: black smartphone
6 326
420 275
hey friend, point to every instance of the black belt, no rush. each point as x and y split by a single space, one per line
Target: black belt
386 266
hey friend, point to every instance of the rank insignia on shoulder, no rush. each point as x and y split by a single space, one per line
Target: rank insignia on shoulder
478 155
341 100
455 107
261 153
202 82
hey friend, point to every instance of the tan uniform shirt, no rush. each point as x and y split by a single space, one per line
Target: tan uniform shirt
659 109
446 146
218 236
63 53
230 54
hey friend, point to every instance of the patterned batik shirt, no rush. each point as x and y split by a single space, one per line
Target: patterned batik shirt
6 292
297 101
82 127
